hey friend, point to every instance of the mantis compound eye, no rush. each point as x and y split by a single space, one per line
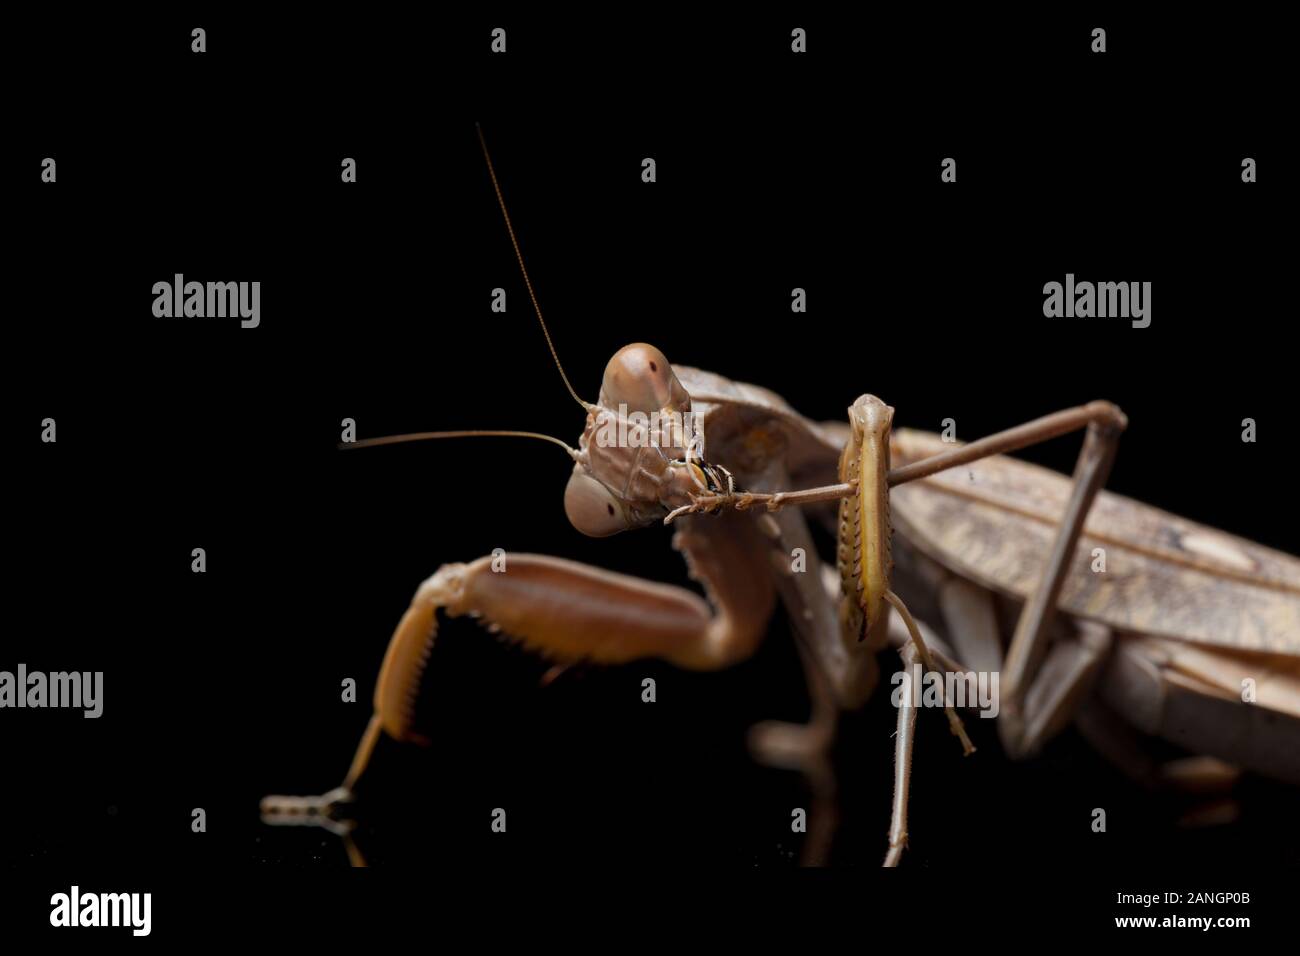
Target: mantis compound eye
639 377
591 508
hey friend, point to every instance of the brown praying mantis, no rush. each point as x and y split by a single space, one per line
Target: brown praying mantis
1188 633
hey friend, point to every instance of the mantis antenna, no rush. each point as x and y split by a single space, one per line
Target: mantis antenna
496 186
474 433
479 433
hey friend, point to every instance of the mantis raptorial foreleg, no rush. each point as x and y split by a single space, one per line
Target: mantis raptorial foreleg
567 611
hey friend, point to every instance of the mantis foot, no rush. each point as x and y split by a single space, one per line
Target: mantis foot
323 810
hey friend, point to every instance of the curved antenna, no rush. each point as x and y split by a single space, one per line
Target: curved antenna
496 186
474 433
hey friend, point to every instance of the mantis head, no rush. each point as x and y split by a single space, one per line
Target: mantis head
640 454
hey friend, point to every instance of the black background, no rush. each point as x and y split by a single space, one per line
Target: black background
774 171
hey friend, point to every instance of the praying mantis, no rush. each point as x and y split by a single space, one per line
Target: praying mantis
1183 632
